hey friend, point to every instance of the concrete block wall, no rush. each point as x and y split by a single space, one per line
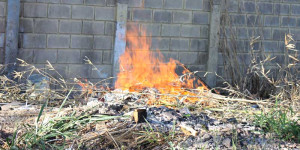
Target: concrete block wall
64 32
270 20
2 28
178 28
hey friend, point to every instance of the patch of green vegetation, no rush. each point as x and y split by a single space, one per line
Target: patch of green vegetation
54 133
280 122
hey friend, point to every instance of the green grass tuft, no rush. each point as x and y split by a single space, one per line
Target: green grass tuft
279 121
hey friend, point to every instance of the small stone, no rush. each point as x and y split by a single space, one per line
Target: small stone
226 142
206 137
168 116
232 120
185 111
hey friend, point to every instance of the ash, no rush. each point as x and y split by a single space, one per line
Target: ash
200 131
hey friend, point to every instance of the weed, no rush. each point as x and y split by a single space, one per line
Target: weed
53 133
279 121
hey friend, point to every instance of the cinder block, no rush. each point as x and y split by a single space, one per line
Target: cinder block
95 2
2 56
94 56
102 71
200 18
2 39
298 22
288 21
107 57
171 30
230 5
296 34
206 5
267 34
271 21
48 1
129 14
135 3
190 31
162 16
26 25
194 4
59 11
2 9
238 19
142 15
79 71
153 3
151 29
173 4
34 41
78 41
62 69
242 33
107 13
68 56
133 28
244 59
254 20
279 34
169 55
265 8
41 56
72 1
189 58
35 10
271 46
45 26
244 46
179 44
248 6
203 57
67 26
110 28
204 31
111 2
82 12
160 43
103 42
2 25
281 9
199 45
58 41
295 9
26 55
93 27
182 17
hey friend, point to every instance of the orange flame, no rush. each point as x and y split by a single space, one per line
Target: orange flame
141 68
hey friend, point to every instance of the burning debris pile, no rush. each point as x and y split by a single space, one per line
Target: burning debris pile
150 107
142 70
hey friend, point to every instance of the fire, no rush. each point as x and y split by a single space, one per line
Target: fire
142 69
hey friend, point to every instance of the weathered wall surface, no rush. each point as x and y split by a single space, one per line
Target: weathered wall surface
179 28
65 31
2 28
269 19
